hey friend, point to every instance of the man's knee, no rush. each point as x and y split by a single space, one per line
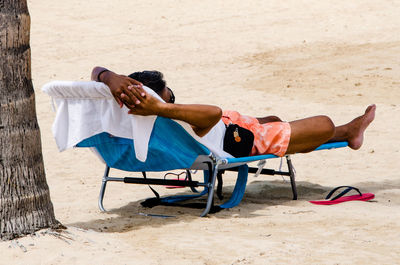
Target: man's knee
327 126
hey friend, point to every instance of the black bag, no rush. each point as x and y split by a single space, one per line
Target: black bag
238 141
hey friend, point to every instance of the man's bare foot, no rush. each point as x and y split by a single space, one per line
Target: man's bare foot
358 126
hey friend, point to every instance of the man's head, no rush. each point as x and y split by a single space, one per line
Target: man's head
155 81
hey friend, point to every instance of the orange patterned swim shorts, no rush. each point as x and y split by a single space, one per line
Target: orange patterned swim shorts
269 138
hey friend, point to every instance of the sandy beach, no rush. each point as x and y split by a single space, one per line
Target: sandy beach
292 59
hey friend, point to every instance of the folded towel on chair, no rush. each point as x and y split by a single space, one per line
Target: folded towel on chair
87 108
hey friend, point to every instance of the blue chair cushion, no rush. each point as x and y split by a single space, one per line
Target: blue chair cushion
170 147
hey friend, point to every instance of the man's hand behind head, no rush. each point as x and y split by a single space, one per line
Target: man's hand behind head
148 105
118 85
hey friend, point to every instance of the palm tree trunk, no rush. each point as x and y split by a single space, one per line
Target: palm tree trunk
25 204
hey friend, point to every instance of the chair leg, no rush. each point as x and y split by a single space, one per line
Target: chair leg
103 188
292 177
189 177
211 190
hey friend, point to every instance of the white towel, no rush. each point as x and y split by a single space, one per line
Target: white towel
87 108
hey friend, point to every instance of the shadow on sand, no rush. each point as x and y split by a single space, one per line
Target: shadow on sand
259 194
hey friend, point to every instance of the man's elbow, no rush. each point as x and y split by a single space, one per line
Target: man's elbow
209 118
217 114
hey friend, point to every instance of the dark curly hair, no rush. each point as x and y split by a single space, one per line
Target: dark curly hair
151 79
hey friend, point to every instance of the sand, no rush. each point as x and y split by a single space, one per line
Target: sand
292 59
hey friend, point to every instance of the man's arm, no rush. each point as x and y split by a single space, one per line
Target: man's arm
201 117
118 85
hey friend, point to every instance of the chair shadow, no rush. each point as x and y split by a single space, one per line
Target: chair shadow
260 194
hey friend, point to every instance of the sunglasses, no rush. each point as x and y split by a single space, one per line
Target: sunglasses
172 97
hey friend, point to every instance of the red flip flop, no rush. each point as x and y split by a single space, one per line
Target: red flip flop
340 198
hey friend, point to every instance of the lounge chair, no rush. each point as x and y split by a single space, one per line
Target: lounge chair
170 147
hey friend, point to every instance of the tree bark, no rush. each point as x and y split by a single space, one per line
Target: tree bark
25 204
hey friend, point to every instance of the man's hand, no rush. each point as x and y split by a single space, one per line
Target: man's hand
118 85
149 105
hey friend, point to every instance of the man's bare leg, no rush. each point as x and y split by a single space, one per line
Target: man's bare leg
268 119
309 133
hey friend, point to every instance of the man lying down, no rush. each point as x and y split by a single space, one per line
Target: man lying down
271 135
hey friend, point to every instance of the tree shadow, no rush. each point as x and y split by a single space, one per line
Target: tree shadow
259 194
